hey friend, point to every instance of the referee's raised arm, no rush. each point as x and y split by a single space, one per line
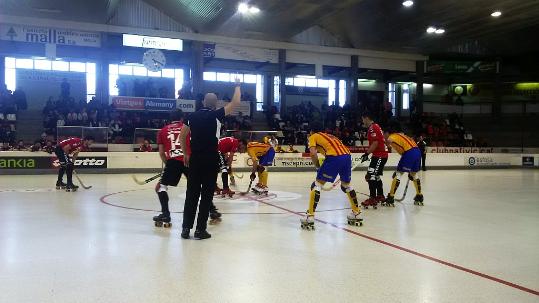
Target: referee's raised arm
236 99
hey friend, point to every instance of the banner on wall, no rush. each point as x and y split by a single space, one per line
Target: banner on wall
48 35
451 67
484 161
85 162
158 104
127 103
187 106
460 150
306 91
16 162
244 53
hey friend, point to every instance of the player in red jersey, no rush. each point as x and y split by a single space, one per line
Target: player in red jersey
377 148
170 151
67 151
228 146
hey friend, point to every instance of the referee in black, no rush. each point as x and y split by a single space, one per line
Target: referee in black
205 128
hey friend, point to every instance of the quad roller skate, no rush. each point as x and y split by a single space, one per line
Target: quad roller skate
215 216
227 192
260 189
218 190
370 202
354 219
418 200
307 222
60 185
389 201
380 199
162 221
71 188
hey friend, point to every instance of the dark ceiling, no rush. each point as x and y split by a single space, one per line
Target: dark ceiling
367 24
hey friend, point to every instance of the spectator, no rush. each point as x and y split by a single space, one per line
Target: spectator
20 146
146 146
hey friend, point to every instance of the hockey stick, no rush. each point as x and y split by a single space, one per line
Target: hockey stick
80 181
248 189
147 180
405 190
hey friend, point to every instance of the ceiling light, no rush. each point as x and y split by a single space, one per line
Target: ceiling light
254 10
408 3
440 31
431 29
243 8
496 14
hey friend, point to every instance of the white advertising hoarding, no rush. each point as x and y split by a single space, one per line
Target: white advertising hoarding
48 35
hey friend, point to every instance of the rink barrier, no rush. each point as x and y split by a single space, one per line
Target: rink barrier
138 162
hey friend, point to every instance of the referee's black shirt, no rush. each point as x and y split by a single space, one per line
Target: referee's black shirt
205 126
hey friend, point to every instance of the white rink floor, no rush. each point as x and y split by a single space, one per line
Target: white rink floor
475 240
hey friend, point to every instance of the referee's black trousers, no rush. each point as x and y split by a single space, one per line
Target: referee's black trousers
200 184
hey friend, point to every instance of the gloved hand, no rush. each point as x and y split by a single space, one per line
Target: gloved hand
364 157
253 176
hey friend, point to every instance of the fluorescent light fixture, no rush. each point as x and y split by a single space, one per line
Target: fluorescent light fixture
440 31
408 3
366 80
152 42
306 76
427 85
254 10
243 8
431 29
496 14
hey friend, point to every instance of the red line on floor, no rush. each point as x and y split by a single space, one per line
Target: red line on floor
461 268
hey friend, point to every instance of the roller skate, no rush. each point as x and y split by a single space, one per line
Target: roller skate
370 202
71 187
185 233
218 190
418 199
354 219
390 201
260 189
307 222
227 192
380 199
60 185
215 216
162 221
201 235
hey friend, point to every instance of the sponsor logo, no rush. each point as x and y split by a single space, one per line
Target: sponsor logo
86 162
528 161
160 104
488 161
471 161
128 103
24 162
467 150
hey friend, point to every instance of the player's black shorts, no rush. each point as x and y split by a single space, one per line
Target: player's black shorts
376 167
61 155
173 172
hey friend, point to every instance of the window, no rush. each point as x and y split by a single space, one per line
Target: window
178 79
276 89
168 73
299 81
77 67
342 93
43 64
24 63
154 74
331 92
11 80
289 81
323 83
125 70
259 92
90 86
311 82
406 96
223 77
239 76
391 96
90 68
113 69
113 89
10 62
209 76
140 71
60 66
248 78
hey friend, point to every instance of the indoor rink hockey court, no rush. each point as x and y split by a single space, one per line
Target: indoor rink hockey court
475 240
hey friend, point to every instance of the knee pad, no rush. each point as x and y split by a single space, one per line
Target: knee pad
160 188
411 177
260 169
397 175
347 189
317 186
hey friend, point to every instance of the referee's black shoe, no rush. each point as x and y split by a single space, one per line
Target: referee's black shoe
201 235
185 233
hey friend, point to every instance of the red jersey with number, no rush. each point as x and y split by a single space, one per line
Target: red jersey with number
375 134
169 136
73 143
228 145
